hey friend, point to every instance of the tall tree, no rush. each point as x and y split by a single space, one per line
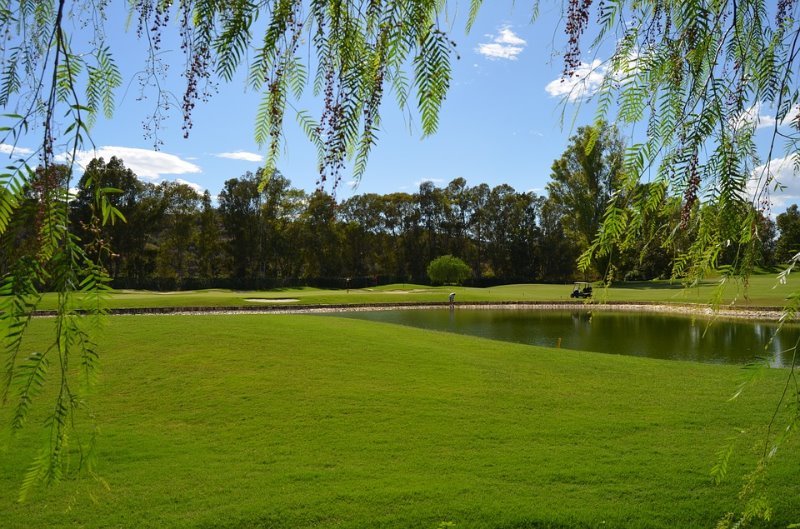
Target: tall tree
240 209
177 252
650 253
456 216
281 205
432 207
583 180
512 234
320 237
364 237
557 260
788 224
401 222
478 198
22 235
209 244
124 243
288 254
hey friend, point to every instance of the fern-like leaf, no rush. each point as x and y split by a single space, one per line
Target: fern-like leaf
432 77
720 469
31 376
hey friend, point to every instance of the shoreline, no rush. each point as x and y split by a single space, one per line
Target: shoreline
705 311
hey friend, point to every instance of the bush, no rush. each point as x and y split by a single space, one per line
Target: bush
448 270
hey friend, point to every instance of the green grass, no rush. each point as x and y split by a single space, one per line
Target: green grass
300 421
760 292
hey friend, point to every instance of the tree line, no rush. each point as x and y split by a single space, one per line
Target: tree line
265 232
262 232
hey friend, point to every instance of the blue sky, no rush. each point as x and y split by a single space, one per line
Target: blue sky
501 122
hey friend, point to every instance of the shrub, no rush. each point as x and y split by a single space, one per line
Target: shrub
448 270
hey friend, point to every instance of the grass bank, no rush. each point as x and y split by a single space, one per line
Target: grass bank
294 421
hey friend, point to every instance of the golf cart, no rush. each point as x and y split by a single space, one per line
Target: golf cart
582 289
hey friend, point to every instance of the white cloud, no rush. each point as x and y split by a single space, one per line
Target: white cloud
5 148
509 37
241 155
780 173
197 187
506 45
494 50
144 162
765 117
584 82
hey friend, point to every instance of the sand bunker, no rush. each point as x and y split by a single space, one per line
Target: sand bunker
412 291
272 300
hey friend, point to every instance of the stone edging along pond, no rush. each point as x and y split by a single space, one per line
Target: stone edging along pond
757 313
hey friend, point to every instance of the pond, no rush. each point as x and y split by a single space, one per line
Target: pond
647 334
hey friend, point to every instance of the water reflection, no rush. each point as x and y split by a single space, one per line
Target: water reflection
651 335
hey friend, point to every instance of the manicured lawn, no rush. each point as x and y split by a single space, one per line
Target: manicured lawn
293 421
760 292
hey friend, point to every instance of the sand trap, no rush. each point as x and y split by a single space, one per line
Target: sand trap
271 300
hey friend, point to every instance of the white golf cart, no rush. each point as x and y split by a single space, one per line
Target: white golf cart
582 289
